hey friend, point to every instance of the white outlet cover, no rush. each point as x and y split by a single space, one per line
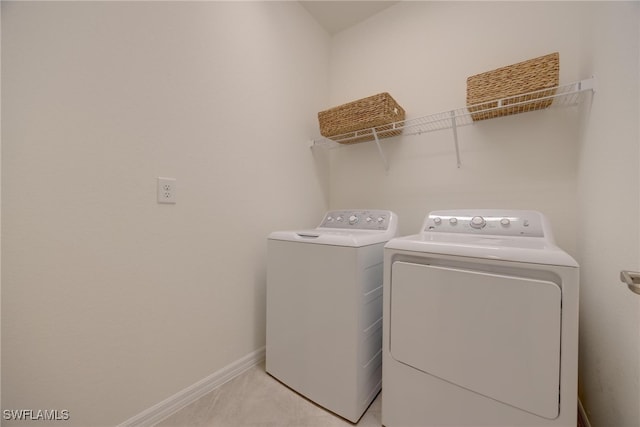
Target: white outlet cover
166 190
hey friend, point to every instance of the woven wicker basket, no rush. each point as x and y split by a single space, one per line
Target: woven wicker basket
538 75
353 121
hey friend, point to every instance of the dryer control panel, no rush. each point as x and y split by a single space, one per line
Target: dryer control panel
359 220
522 223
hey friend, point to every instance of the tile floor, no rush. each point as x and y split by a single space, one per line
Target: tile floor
255 399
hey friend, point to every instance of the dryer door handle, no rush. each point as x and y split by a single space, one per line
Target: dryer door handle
632 279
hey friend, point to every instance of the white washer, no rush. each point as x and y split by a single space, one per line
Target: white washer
324 309
480 323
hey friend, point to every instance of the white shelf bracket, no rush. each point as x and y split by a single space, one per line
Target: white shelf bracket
384 158
454 128
588 84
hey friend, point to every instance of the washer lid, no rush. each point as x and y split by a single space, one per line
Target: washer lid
354 228
535 250
335 237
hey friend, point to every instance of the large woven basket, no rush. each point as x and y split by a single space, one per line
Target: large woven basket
352 122
522 84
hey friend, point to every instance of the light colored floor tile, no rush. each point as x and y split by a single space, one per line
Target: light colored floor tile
255 399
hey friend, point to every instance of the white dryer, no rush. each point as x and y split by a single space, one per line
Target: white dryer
480 323
324 309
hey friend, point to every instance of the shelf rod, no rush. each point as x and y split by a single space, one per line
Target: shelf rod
454 128
384 158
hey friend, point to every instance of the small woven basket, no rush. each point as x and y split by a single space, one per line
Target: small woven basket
353 121
522 84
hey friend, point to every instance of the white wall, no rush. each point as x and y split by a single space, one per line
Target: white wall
110 301
609 213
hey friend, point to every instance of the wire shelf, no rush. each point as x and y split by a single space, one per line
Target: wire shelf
560 96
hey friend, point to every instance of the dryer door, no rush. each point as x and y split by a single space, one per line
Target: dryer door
495 335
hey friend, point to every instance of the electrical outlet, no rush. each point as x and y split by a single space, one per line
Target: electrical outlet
166 190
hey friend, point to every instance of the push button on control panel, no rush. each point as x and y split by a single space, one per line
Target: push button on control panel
477 222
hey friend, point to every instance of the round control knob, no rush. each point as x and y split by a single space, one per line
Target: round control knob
477 222
330 218
453 221
369 219
437 220
340 218
353 219
505 222
380 219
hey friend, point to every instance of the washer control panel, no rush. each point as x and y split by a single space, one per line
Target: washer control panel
483 221
358 219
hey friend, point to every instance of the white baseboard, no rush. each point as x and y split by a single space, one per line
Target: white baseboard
164 409
583 415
